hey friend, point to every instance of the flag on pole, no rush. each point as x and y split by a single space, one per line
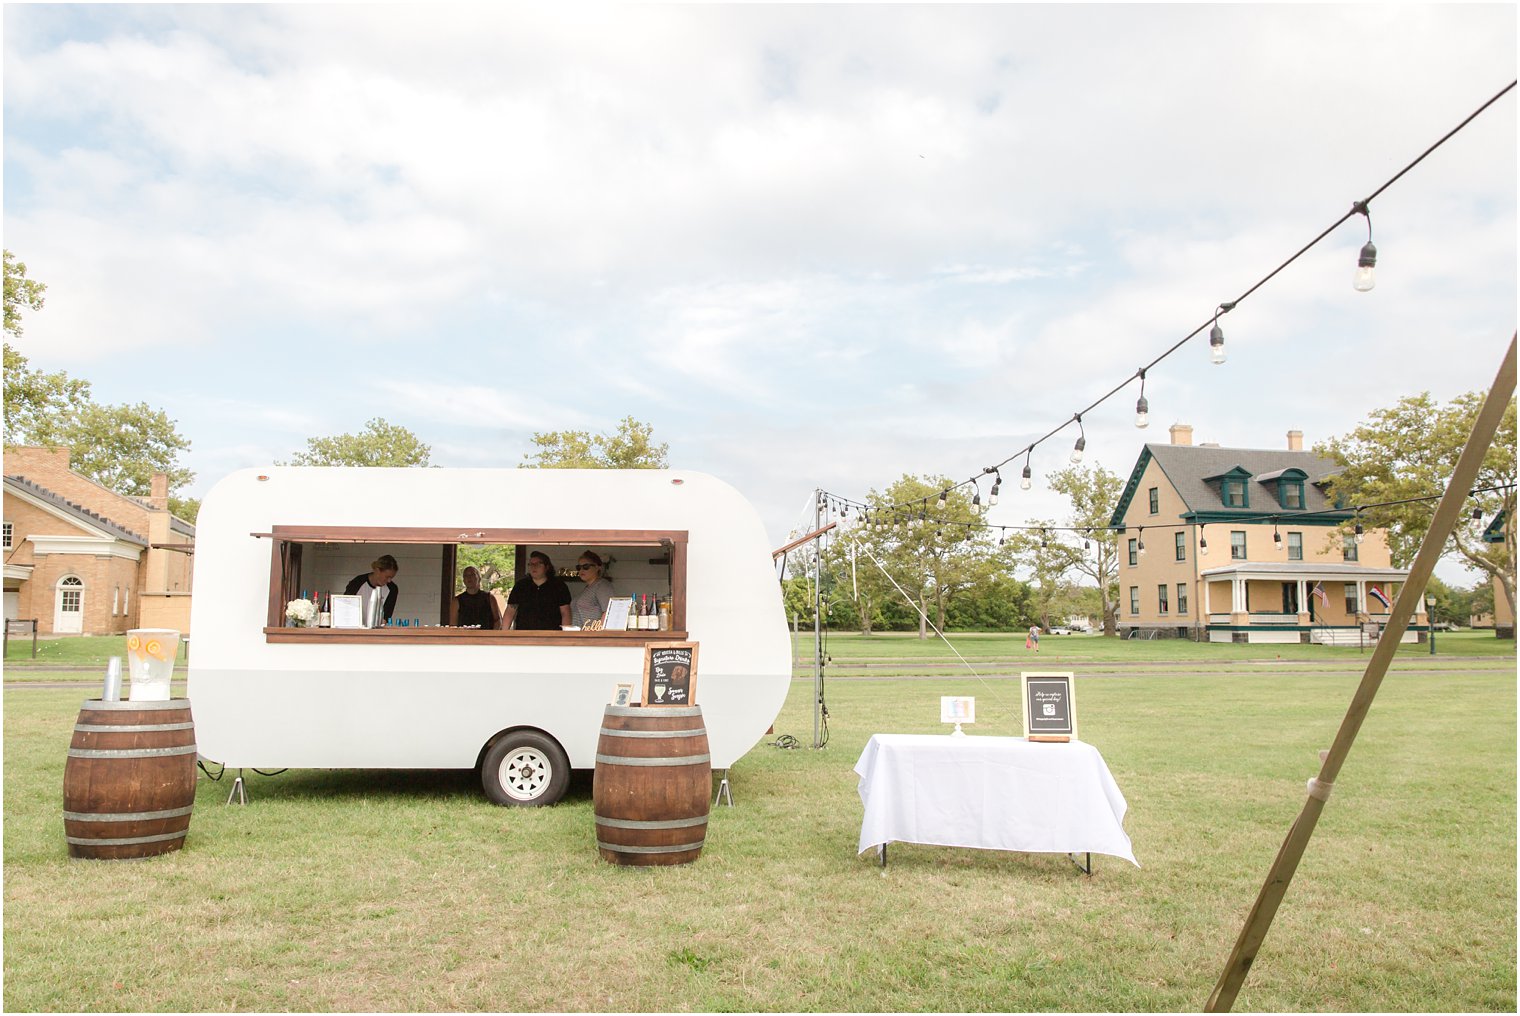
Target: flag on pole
1378 595
1319 591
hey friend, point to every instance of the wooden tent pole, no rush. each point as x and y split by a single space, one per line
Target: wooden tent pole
1280 875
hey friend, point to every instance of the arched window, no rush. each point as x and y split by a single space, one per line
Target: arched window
72 587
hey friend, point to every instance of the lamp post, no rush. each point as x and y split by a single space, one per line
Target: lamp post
1430 619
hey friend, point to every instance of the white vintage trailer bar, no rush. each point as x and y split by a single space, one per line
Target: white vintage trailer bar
524 706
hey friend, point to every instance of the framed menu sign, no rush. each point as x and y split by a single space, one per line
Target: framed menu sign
670 674
1050 706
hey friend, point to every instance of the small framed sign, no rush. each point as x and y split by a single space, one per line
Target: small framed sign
623 695
670 674
347 611
1050 706
616 617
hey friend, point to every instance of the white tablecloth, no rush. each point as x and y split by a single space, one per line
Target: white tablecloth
998 793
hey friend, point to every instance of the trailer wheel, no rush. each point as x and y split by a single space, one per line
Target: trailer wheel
525 769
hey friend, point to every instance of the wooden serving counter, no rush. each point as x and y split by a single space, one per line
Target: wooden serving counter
446 636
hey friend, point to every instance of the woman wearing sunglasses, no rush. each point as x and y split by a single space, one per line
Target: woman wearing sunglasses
591 603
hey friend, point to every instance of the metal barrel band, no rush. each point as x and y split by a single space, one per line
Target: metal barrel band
138 706
188 749
674 848
129 728
634 823
691 732
654 711
684 760
132 816
124 841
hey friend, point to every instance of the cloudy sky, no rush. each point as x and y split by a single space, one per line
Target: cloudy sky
812 246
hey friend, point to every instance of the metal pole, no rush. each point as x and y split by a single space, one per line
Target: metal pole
1280 875
817 622
1430 619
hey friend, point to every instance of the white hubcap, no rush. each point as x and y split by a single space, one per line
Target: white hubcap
524 774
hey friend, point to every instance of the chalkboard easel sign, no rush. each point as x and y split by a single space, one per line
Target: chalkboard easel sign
670 674
1050 706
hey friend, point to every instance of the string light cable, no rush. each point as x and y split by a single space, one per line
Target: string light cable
1367 253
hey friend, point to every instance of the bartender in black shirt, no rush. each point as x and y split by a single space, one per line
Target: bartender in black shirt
382 571
540 602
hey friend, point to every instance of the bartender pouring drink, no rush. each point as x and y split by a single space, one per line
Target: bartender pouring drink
382 571
539 602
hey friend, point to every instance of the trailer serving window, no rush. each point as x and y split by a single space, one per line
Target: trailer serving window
311 560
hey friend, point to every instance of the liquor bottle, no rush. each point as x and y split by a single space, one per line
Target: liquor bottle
650 622
633 615
324 615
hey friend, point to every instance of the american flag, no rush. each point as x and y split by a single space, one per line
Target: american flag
1319 591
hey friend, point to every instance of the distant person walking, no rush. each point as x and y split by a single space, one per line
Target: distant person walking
1033 641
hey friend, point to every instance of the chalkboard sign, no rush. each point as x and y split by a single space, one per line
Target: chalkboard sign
1050 706
670 674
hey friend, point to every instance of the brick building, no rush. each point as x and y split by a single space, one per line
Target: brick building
80 558
1281 570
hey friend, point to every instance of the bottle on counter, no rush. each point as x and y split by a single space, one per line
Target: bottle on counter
664 614
324 613
633 615
651 623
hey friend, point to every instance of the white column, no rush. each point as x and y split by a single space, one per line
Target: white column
1361 596
1238 595
1206 610
1303 604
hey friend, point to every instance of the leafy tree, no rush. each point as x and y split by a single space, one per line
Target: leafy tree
494 561
1094 494
632 447
934 552
378 444
1408 451
1482 602
119 447
1453 605
122 447
19 292
39 406
1049 556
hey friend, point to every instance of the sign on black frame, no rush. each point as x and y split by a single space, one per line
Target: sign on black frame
1050 706
670 674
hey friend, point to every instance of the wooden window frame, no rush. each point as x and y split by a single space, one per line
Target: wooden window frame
284 582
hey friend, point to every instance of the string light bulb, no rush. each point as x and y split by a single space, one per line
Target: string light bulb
1026 480
1276 538
1140 542
997 481
942 497
1357 533
1366 261
1080 447
1142 406
1203 543
1216 334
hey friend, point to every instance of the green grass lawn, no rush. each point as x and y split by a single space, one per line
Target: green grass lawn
363 891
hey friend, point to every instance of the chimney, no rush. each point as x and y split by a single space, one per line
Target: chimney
159 499
1182 434
1295 440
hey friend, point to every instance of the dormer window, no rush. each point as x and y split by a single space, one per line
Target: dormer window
1234 487
1290 486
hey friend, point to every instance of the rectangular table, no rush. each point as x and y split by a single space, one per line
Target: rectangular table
995 793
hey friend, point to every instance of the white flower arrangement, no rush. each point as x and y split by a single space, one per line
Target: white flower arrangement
300 613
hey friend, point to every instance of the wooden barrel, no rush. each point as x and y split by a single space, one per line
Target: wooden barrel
653 778
129 782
